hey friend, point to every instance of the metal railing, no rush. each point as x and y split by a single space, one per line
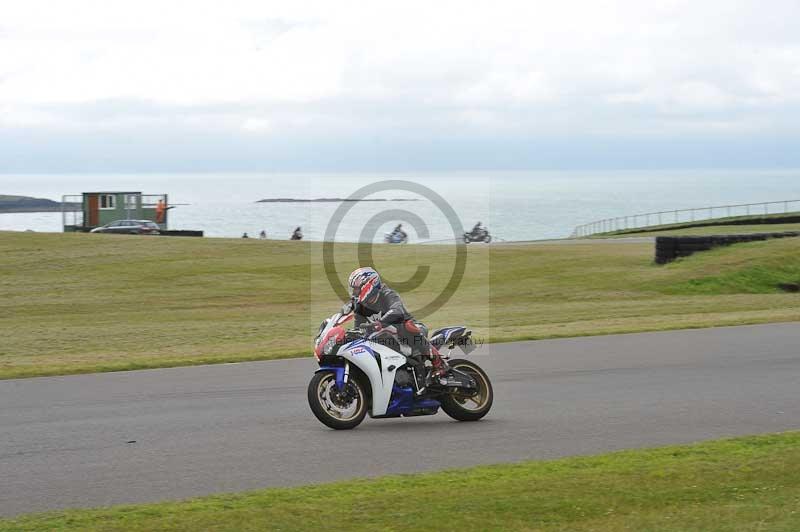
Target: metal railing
71 210
677 216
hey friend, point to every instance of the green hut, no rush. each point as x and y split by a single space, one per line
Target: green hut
95 209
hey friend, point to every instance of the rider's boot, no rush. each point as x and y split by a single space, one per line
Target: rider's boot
418 365
440 367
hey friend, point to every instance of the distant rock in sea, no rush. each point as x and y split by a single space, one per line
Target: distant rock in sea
28 204
327 200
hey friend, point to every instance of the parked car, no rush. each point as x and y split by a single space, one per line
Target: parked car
129 227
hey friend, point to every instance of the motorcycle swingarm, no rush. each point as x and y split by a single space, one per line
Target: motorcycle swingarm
461 381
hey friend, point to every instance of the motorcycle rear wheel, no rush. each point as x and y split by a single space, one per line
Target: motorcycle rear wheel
463 408
338 410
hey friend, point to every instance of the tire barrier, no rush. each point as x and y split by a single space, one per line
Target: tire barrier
668 248
713 222
179 232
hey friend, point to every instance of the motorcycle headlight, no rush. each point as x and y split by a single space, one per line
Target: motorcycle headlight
329 345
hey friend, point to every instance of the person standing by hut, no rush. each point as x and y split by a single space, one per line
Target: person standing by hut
161 211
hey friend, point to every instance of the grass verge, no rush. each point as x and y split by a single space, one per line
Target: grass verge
77 303
750 483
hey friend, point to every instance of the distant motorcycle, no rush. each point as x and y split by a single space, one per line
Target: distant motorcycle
482 235
297 234
396 237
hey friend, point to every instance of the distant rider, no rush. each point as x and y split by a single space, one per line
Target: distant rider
373 299
399 231
297 234
476 230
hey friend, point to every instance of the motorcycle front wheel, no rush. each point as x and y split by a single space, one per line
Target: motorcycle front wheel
340 410
469 408
487 238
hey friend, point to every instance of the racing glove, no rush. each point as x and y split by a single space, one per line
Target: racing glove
373 327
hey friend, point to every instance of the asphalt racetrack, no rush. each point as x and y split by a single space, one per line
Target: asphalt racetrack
96 440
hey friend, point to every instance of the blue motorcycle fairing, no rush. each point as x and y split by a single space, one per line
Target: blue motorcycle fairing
402 402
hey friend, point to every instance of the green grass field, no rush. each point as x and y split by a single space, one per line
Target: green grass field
73 303
750 483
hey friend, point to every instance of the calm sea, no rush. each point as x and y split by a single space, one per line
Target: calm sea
515 205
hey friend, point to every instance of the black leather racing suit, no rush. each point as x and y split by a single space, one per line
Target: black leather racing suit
388 309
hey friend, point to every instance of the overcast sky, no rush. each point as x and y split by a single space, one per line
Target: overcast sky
402 85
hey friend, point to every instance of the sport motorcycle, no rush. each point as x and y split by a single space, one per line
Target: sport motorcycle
395 237
363 373
482 235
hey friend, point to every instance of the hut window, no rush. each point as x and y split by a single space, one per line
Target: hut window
108 201
130 201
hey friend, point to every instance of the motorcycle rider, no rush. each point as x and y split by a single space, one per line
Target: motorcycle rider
297 234
373 299
476 230
399 231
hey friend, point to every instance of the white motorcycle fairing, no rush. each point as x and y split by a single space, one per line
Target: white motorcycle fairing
379 363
